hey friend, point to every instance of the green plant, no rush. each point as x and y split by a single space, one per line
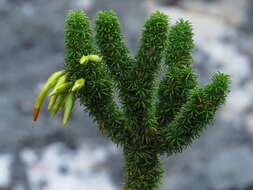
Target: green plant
152 120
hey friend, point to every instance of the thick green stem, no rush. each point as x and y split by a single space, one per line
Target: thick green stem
142 169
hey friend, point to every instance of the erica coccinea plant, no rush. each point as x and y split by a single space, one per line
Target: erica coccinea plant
153 118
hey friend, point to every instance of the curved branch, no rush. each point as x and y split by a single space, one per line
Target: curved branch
180 78
194 115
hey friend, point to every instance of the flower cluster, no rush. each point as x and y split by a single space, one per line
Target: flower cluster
62 94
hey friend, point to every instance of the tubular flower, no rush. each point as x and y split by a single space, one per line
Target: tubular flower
59 82
61 88
68 106
51 102
62 94
58 104
86 58
78 84
52 80
95 58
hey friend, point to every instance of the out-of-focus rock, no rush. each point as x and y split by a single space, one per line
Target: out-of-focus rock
232 11
169 2
247 26
61 168
231 169
5 166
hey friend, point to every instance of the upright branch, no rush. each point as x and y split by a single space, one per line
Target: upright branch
140 102
180 78
97 94
112 46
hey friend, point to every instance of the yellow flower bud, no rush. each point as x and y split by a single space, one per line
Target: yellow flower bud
58 103
39 101
59 89
42 94
84 59
51 81
61 80
56 75
95 58
69 104
78 84
51 102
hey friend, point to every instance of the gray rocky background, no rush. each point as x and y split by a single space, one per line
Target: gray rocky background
50 157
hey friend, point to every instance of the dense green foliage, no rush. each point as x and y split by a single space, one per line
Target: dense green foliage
145 126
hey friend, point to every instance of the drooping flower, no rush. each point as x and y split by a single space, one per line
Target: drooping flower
78 84
95 58
61 88
86 58
62 94
51 102
58 104
52 80
68 106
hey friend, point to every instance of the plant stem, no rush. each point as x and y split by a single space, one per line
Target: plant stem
142 169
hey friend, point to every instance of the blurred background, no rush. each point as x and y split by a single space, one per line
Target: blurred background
50 157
